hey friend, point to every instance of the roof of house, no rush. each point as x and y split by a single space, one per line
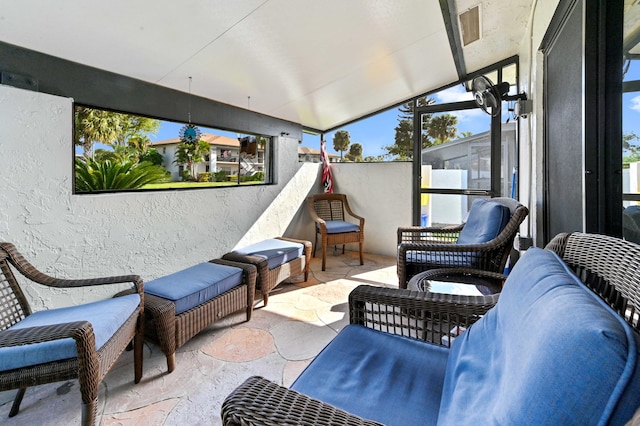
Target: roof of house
231 142
210 138
310 151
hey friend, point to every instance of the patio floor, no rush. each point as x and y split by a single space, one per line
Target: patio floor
278 343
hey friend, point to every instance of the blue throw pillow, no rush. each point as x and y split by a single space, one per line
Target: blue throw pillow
550 352
485 222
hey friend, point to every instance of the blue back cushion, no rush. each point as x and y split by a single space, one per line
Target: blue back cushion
485 222
195 285
550 352
105 316
378 376
277 252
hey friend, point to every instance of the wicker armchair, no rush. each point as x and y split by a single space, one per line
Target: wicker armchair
439 249
20 327
421 315
328 213
609 266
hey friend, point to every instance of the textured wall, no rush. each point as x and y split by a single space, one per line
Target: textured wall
146 233
379 192
156 233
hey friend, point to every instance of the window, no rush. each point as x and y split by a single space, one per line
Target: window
630 126
465 152
116 151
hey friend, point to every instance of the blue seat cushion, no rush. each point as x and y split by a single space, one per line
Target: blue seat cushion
550 352
195 285
105 316
340 227
485 222
277 252
378 376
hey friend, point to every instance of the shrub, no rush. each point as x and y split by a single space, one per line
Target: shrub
94 175
204 177
220 176
256 177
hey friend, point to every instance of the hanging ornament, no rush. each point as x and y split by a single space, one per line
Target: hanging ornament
190 134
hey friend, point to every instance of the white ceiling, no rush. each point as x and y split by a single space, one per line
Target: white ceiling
320 63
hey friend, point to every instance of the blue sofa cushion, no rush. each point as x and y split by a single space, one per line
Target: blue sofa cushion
195 285
340 227
277 252
105 316
549 352
485 222
378 376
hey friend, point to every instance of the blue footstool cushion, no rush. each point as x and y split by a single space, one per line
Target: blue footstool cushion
195 285
277 252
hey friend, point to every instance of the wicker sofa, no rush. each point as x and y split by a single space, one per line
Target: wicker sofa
551 351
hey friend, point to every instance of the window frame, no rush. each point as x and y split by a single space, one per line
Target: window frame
267 155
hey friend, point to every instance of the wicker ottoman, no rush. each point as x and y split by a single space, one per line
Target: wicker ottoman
276 259
178 306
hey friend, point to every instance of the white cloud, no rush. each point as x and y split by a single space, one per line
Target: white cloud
635 103
459 94
454 94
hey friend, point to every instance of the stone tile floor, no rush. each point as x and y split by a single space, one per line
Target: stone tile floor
278 343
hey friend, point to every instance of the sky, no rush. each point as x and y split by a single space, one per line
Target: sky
377 131
372 133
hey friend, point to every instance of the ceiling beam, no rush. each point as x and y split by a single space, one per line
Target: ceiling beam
450 17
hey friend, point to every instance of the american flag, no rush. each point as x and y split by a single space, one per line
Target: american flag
327 179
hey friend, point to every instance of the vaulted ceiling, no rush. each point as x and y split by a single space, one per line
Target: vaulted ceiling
318 63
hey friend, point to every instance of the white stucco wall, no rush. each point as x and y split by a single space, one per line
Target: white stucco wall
379 192
145 233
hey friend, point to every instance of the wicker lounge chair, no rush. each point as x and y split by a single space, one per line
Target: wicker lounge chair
22 367
328 213
424 248
402 312
541 351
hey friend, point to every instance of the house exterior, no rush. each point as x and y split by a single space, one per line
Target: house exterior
310 155
224 155
473 155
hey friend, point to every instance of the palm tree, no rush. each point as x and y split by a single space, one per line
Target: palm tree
341 141
443 128
192 154
355 152
94 125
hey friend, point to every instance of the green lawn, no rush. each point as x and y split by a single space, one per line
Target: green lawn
185 185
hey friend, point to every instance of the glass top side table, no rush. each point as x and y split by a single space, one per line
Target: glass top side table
461 281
